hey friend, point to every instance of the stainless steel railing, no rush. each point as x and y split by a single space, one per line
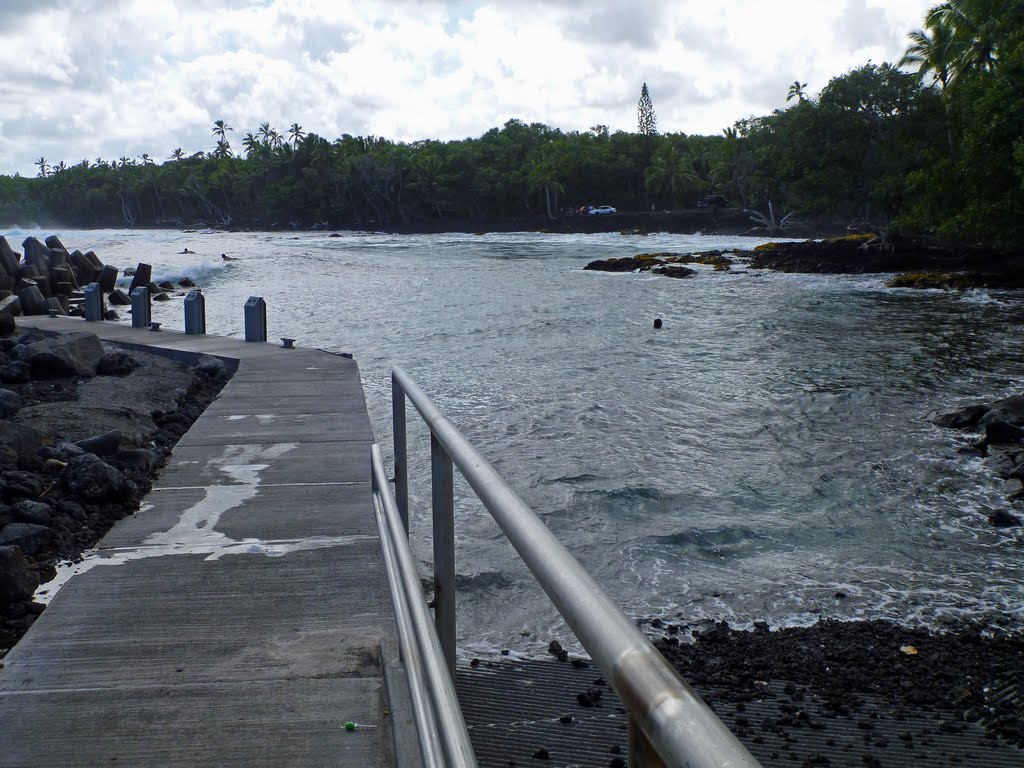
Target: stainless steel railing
669 725
432 688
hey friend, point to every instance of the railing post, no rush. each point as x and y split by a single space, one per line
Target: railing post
401 453
93 302
142 314
443 496
195 313
255 319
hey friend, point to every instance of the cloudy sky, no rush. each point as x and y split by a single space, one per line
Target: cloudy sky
104 78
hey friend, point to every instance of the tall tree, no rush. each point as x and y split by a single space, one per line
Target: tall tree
220 130
931 51
646 121
974 28
44 167
796 91
671 170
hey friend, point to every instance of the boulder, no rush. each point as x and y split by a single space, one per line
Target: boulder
85 271
107 278
63 276
213 367
141 459
186 282
161 296
9 260
36 255
32 300
166 286
93 479
674 271
957 418
15 372
55 305
1005 462
1010 410
119 298
143 276
7 324
29 511
111 314
1001 518
21 485
70 354
116 364
11 305
21 438
18 581
1000 432
29 537
102 445
68 451
8 461
53 243
57 260
94 259
7 282
10 403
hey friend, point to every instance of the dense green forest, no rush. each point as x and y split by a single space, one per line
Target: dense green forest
931 144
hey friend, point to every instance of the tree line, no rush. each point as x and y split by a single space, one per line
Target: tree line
932 143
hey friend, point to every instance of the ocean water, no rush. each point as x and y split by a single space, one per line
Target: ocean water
762 452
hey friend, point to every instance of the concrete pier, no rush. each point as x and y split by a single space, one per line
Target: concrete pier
243 615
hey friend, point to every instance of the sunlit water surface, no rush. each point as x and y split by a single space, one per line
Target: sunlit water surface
763 451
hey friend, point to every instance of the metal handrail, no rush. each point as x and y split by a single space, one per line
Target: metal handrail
669 725
432 690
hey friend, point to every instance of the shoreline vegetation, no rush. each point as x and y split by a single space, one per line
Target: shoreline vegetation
927 146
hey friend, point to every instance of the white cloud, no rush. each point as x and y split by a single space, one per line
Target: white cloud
88 78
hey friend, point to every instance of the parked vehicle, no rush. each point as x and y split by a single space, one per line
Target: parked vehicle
602 210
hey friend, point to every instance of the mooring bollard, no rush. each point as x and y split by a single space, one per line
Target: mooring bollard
255 319
195 313
141 309
93 303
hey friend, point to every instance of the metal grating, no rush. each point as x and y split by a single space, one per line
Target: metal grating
513 709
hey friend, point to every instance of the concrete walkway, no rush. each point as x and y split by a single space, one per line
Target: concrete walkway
243 615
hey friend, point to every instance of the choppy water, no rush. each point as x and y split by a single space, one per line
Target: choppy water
761 452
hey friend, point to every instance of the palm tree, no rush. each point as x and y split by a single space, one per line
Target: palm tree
931 50
252 144
977 28
543 174
44 167
178 154
297 134
220 130
222 150
671 171
796 91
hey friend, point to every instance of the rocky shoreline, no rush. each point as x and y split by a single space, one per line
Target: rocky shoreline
876 673
921 262
84 430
